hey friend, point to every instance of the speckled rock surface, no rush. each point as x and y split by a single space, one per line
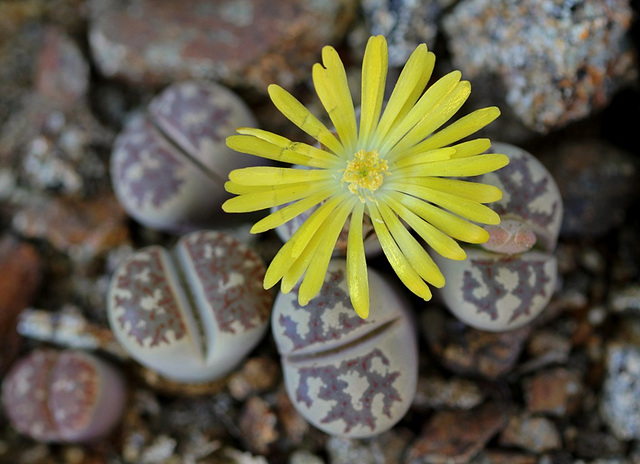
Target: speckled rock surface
239 42
405 24
559 60
621 393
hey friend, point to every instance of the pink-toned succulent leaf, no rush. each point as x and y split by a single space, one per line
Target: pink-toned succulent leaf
231 276
145 168
524 192
510 237
25 395
145 277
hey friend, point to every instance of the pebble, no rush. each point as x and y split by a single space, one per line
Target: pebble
456 436
559 60
83 229
304 457
504 457
535 434
255 375
626 299
595 444
239 42
545 341
62 73
405 23
56 150
388 447
470 351
19 46
436 392
620 401
258 425
293 425
20 278
597 181
555 392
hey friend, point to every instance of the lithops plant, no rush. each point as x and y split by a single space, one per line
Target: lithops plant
510 281
165 162
346 375
63 396
192 313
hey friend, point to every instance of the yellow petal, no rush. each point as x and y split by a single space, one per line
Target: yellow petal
257 147
471 148
396 258
435 238
357 278
296 112
314 221
433 118
283 215
463 127
415 253
450 224
319 236
459 167
301 239
269 175
434 95
276 195
482 193
430 156
374 74
410 85
468 209
238 189
314 277
332 88
297 147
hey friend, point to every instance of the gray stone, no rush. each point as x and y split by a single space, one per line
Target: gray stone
620 401
405 24
241 42
559 60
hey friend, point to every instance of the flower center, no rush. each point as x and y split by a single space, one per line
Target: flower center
365 173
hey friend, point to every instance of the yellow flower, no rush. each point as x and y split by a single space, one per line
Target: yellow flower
392 167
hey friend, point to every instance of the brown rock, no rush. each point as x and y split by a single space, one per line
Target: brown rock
293 425
437 392
470 351
535 434
252 43
555 392
509 457
453 437
20 276
256 375
62 73
258 425
83 229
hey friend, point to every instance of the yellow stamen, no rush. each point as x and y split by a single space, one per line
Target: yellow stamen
365 173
